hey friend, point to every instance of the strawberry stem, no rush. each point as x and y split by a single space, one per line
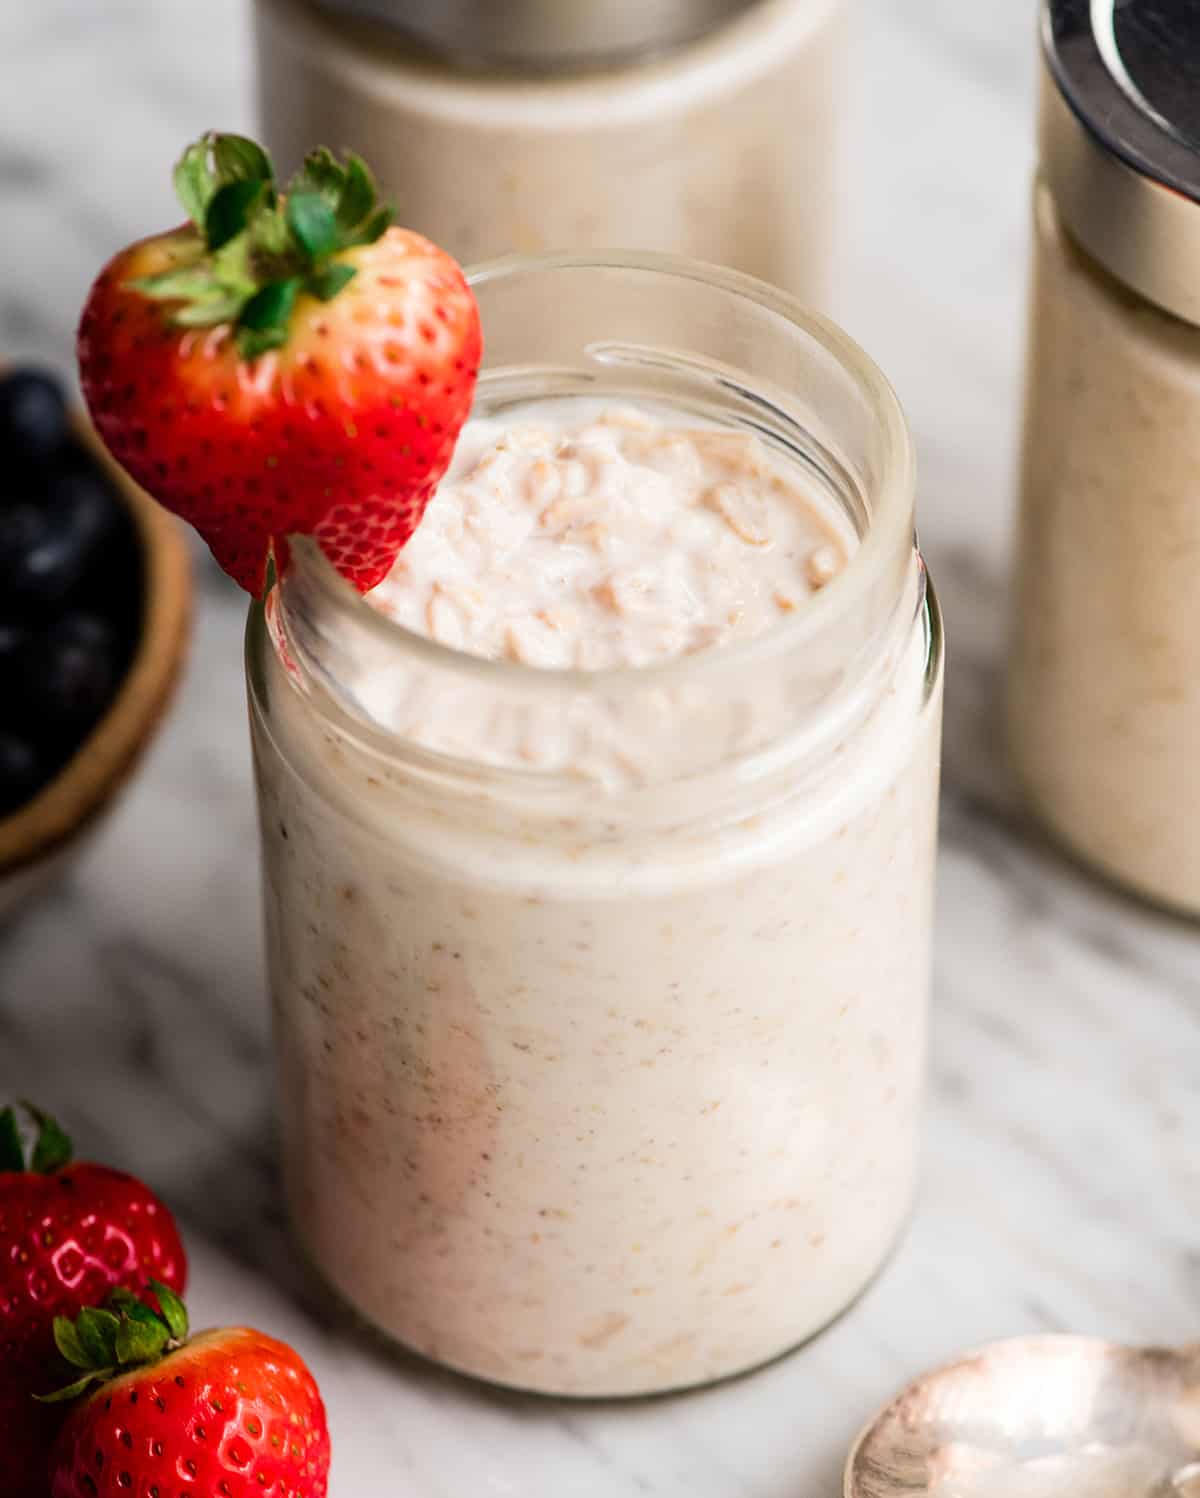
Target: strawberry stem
257 250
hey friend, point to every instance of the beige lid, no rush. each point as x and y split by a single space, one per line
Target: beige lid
1120 139
545 34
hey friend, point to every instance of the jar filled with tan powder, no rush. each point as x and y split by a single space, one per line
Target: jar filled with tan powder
698 127
1104 690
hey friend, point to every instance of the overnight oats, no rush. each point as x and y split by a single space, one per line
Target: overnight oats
599 843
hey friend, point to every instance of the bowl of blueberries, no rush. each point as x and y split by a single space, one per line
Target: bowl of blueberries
95 603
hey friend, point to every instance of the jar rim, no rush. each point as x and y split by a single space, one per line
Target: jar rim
888 534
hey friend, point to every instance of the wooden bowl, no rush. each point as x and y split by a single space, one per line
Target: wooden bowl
41 838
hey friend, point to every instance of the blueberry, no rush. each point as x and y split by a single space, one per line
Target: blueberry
47 550
14 637
80 496
33 416
22 527
67 677
21 774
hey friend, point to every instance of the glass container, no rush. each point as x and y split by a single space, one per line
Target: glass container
601 1067
707 128
1104 685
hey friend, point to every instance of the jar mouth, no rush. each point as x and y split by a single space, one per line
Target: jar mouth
885 539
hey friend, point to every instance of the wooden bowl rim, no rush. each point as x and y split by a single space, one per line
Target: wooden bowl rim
102 763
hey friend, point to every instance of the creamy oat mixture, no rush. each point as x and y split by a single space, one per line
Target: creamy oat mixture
596 538
602 1090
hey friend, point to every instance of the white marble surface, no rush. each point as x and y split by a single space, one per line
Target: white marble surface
1062 1175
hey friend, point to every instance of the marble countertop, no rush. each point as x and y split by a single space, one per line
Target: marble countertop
1061 1169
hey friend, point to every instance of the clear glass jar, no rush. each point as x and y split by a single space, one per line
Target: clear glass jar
1104 699
1104 680
723 148
610 1086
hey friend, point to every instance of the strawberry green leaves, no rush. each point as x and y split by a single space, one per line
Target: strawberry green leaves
141 1335
331 207
92 1338
51 1146
370 229
313 225
356 194
128 1333
258 251
172 1310
228 212
88 1343
264 321
195 181
325 284
216 162
237 158
348 191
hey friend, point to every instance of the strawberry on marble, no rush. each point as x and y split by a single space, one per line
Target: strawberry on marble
233 1413
69 1235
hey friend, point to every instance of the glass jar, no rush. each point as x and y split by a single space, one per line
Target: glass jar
715 139
1104 690
606 1084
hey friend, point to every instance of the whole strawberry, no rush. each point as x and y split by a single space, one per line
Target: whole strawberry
231 1413
283 364
69 1234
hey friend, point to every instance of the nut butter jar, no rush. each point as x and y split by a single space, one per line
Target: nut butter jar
704 128
1104 685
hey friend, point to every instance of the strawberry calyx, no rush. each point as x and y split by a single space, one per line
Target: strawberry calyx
51 1149
127 1333
253 249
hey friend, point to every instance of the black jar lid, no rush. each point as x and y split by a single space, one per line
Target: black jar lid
1120 139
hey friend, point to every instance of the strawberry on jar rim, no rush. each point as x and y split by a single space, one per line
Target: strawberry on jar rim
285 363
69 1234
233 1412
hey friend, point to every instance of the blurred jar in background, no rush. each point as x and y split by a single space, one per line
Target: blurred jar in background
701 127
1104 699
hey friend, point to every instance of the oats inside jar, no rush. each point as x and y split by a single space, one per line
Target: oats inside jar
591 536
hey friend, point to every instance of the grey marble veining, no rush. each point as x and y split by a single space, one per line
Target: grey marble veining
1061 1177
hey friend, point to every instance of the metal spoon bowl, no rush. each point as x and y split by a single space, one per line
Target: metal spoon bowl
1040 1417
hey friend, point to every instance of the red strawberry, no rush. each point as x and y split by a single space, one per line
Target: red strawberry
283 364
233 1412
69 1234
